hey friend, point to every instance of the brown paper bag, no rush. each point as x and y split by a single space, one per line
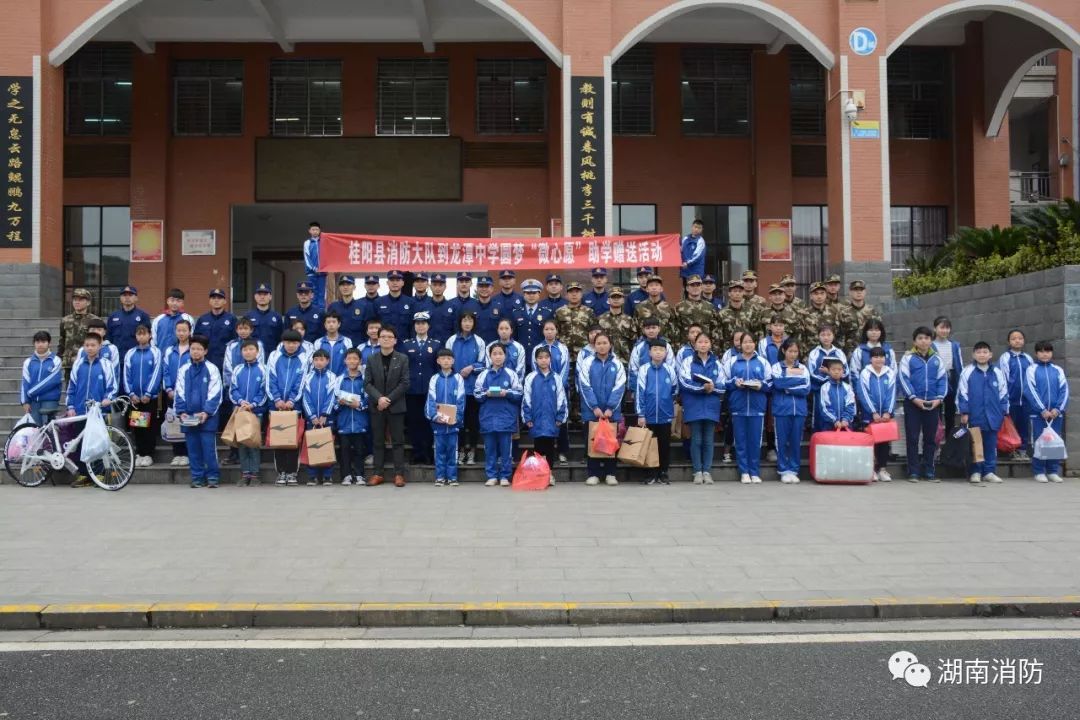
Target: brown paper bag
282 435
592 433
635 446
976 444
228 435
449 411
247 429
677 424
652 459
320 447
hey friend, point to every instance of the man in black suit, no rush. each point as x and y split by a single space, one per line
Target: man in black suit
386 378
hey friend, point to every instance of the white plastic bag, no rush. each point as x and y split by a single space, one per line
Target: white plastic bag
95 439
1049 445
26 419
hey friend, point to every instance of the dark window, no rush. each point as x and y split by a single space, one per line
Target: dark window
632 92
919 94
728 244
305 97
97 248
630 220
807 91
511 96
809 244
715 91
414 97
208 97
917 231
97 84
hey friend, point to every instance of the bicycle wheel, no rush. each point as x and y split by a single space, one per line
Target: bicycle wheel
19 441
113 471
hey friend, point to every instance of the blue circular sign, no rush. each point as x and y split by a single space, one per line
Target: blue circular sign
862 41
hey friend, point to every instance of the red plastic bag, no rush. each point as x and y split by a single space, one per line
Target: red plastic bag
883 431
1008 440
533 473
605 442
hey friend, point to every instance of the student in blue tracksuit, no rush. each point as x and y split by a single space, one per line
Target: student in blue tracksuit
163 328
701 403
319 403
141 383
1046 392
923 381
353 423
445 387
369 348
749 382
469 359
198 396
982 399
42 372
836 399
171 362
1014 363
769 347
108 351
247 390
602 383
91 379
420 349
639 355
560 365
498 391
692 332
234 356
515 351
872 336
692 252
790 388
544 408
948 351
876 393
312 258
816 362
656 387
333 342
284 384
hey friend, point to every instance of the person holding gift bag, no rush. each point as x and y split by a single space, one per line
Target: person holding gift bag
1014 362
1047 394
876 392
602 383
498 391
656 388
446 390
353 423
141 382
791 387
982 398
286 370
701 392
198 398
247 390
544 408
319 403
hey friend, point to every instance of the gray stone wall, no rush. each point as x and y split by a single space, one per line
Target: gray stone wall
877 276
1045 305
30 290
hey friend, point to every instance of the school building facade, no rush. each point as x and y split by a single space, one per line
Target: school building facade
876 127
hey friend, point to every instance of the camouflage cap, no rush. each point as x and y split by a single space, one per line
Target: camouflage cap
749 275
735 285
693 280
654 278
787 279
616 292
832 279
573 285
82 293
856 285
775 288
817 286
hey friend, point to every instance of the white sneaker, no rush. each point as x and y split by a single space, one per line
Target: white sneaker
770 456
727 458
785 478
975 478
794 479
699 478
470 458
347 480
359 481
745 479
369 461
551 481
312 483
563 460
1054 477
1041 478
755 479
280 479
611 480
875 478
328 481
183 461
884 476
707 478
991 478
290 479
491 482
175 461
592 480
505 482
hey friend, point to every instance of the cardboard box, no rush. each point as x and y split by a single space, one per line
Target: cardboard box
449 411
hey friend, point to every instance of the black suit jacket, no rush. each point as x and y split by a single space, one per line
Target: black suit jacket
393 384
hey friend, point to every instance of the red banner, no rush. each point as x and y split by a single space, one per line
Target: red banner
357 254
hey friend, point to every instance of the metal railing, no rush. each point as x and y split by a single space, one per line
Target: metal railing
1030 186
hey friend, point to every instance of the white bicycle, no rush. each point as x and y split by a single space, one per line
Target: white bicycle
32 453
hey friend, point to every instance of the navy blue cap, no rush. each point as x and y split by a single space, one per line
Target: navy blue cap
438 277
371 280
646 270
553 278
464 276
304 286
599 272
485 280
507 274
129 290
395 275
709 279
217 292
262 287
346 280
421 276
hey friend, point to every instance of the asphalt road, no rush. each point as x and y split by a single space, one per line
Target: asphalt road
774 680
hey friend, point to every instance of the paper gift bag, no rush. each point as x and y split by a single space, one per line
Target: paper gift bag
652 459
228 435
592 436
976 444
635 446
449 410
247 429
282 432
677 424
319 444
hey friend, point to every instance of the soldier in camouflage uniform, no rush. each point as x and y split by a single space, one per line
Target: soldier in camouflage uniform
788 283
794 319
854 312
73 328
750 283
818 313
694 310
574 320
620 327
738 315
832 289
657 308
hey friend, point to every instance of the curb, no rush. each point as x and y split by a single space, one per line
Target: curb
83 616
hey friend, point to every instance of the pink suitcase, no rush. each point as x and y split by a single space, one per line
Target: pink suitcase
842 457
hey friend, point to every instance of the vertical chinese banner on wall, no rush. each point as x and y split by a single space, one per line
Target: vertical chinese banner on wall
774 240
147 241
18 94
587 157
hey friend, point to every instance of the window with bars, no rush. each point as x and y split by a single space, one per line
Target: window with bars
511 96
728 243
630 220
97 248
97 91
305 97
414 97
916 231
715 91
807 93
919 93
208 97
809 244
632 92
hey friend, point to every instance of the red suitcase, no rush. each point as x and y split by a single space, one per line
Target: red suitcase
842 457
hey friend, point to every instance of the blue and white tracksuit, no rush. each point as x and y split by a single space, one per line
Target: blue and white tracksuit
248 384
1015 365
560 358
515 357
770 350
353 425
337 349
198 390
876 393
1045 388
983 395
640 356
835 403
692 252
601 385
108 352
446 389
311 268
655 390
163 329
469 351
819 377
40 387
748 407
860 359
923 377
94 380
498 418
142 372
318 398
701 410
234 358
544 404
789 393
173 359
285 377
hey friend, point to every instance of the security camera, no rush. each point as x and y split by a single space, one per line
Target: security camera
851 110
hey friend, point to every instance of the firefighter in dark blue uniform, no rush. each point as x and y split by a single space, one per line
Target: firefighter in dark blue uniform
421 299
421 350
554 298
441 310
464 301
529 319
509 300
306 310
371 296
395 308
268 322
354 312
708 284
488 313
597 298
123 322
219 325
